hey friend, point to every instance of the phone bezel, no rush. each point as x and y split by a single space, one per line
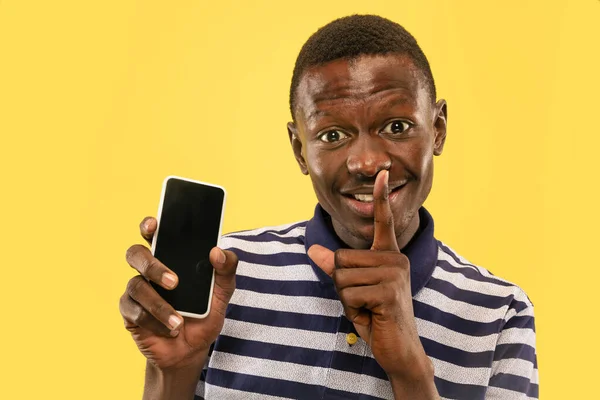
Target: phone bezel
158 217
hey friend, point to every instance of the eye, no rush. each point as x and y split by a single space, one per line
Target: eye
332 136
396 127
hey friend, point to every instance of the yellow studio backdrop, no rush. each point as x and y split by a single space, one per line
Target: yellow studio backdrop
100 100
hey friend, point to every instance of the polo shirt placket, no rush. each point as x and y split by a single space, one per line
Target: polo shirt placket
422 254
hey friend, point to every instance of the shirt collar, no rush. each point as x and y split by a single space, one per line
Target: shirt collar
421 251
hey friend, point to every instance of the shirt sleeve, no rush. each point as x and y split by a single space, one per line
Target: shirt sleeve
514 373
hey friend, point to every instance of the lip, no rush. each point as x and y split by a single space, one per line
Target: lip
367 210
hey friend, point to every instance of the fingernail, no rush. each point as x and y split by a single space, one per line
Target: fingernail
147 224
174 322
222 258
168 279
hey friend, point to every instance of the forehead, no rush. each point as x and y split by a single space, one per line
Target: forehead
359 79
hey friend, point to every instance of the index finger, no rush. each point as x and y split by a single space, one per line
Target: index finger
384 237
141 259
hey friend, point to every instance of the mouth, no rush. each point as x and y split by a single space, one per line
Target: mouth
361 201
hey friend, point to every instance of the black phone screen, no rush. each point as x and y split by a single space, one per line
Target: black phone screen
188 229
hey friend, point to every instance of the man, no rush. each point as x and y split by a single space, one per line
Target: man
361 301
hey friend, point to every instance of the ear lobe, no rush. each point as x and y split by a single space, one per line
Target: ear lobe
297 147
439 125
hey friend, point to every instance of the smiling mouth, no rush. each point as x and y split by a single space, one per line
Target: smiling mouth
368 198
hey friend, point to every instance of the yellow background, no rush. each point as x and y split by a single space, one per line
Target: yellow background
100 100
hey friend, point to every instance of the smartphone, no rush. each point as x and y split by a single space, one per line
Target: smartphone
189 218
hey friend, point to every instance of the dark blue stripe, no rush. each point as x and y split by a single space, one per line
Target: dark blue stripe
372 368
276 352
454 322
280 231
471 274
458 390
516 383
518 306
475 298
275 260
285 288
283 319
524 322
299 355
519 350
269 237
333 394
456 356
269 386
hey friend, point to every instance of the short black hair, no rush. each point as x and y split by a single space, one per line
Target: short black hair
354 36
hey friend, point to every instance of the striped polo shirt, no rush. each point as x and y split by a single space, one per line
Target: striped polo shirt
286 337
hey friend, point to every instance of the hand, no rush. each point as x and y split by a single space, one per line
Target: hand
168 340
374 288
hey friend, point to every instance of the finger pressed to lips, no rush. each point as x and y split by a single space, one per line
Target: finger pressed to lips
384 233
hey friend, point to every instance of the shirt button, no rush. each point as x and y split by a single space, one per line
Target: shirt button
351 338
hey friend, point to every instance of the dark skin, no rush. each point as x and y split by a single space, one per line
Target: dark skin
370 127
387 131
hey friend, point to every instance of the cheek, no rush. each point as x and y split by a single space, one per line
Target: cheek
322 171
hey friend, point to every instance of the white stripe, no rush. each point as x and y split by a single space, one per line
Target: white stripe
496 393
274 230
301 272
297 304
517 336
461 309
278 335
442 255
516 366
267 247
308 374
462 282
448 337
461 375
218 392
527 312
200 388
358 383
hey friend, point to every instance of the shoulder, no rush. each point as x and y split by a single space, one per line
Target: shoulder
474 279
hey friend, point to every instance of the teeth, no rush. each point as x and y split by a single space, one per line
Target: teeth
367 198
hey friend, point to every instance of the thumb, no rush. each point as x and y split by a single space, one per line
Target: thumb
225 264
323 257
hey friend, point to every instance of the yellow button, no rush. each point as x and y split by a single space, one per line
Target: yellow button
351 338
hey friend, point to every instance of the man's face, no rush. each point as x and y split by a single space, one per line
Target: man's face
356 118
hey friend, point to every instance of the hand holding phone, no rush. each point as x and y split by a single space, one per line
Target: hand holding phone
166 339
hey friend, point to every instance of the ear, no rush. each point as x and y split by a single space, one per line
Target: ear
297 147
439 126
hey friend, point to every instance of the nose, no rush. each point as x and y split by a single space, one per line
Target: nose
367 157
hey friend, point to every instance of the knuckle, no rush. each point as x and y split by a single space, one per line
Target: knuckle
139 316
152 267
135 286
159 309
131 253
339 257
124 303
